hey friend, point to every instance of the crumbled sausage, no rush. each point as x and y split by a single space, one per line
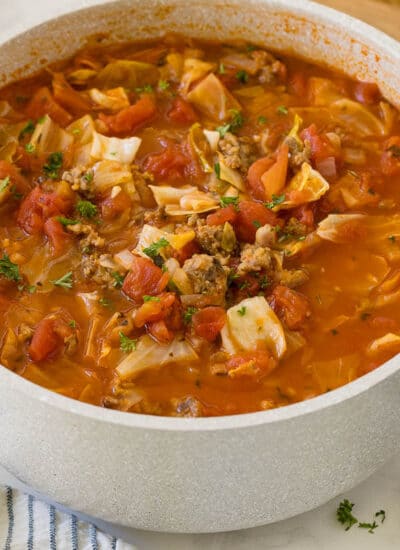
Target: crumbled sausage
298 153
187 406
216 239
238 152
291 278
80 179
90 235
206 275
254 258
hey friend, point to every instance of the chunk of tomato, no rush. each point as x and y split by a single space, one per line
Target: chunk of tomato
154 310
254 174
113 207
223 215
49 336
250 216
366 92
321 147
144 278
43 103
173 164
38 206
131 118
182 112
390 158
291 306
160 332
58 238
254 364
208 322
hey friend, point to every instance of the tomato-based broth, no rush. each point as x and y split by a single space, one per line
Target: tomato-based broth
197 229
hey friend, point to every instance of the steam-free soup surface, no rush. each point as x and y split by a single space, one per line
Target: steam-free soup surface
195 229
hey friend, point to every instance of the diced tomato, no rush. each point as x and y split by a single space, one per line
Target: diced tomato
256 170
250 212
69 98
182 112
43 103
154 310
8 170
113 207
321 147
384 323
38 206
187 252
366 92
173 164
56 235
390 158
298 84
291 306
144 278
130 119
223 215
247 285
160 331
208 322
48 338
305 214
254 364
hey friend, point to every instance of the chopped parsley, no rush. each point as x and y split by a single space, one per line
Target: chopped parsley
66 221
72 324
392 238
381 514
187 316
282 110
105 302
394 150
221 68
370 526
242 311
53 165
226 201
4 183
364 315
118 279
15 193
232 275
334 331
153 250
236 122
262 119
217 169
86 209
344 514
163 85
27 129
250 48
264 282
126 344
8 269
276 199
88 176
65 281
244 285
29 148
147 298
256 224
146 89
242 76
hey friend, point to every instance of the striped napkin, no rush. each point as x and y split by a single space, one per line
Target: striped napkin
27 523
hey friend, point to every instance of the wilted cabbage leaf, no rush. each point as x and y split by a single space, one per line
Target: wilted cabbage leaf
193 70
112 148
110 100
357 118
306 186
150 235
212 99
126 73
49 136
183 200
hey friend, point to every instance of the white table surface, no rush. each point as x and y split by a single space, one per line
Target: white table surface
317 530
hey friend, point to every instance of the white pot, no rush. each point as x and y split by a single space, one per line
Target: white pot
204 474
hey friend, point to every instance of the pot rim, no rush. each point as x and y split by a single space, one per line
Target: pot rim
316 12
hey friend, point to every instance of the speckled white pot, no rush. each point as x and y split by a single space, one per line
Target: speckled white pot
210 474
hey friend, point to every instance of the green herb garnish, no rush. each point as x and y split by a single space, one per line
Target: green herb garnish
276 199
262 119
282 110
394 150
65 281
8 269
86 209
236 122
153 250
187 316
163 85
256 224
242 311
381 514
88 176
53 165
4 183
344 514
221 68
226 201
242 76
105 302
29 148
147 298
27 129
370 526
72 324
126 344
66 221
146 89
118 279
392 238
217 169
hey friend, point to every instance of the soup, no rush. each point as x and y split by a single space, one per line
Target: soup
197 229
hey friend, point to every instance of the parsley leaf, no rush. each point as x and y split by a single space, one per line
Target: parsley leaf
344 514
163 85
221 68
105 302
226 201
153 250
8 269
217 169
235 123
242 76
147 298
72 324
276 199
282 110
86 209
29 148
4 183
65 281
118 279
262 119
394 150
369 526
187 316
381 514
126 344
256 224
88 176
242 311
53 165
146 89
66 221
27 129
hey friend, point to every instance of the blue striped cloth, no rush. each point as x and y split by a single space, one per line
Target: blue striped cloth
27 523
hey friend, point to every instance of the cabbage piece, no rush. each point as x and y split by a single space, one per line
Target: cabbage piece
230 175
9 134
212 99
323 91
112 148
178 276
241 61
201 147
80 77
295 341
357 117
82 130
49 136
249 92
250 324
335 227
150 354
213 138
334 373
126 73
111 100
306 186
108 173
194 70
184 200
294 132
390 343
150 235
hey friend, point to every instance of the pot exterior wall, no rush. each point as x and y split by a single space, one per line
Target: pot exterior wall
198 481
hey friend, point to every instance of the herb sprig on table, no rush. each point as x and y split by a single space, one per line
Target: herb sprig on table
344 515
